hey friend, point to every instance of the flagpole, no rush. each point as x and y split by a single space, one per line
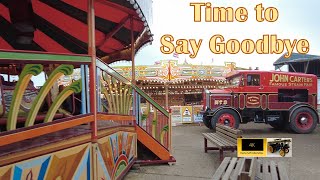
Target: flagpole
166 84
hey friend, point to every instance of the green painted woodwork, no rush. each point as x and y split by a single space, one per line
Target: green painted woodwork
75 87
150 100
25 56
118 96
28 71
54 76
163 132
115 74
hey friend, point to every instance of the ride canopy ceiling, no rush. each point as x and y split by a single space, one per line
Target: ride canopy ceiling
60 26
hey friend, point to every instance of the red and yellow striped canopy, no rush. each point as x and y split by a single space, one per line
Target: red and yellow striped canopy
60 26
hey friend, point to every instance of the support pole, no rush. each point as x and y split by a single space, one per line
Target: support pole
306 68
170 131
166 84
133 79
83 91
292 67
167 95
92 78
133 73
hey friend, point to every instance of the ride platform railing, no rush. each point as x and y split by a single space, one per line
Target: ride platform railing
155 123
29 112
119 96
46 120
45 114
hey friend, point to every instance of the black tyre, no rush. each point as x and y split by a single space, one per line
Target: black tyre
286 146
303 120
207 123
286 150
271 149
227 117
207 120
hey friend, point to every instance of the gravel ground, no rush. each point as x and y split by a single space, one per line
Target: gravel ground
193 163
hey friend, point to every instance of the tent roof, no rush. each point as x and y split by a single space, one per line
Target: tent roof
295 57
60 26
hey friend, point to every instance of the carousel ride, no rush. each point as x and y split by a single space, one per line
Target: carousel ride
88 128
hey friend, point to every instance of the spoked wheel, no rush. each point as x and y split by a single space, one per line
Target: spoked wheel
282 153
271 149
303 120
226 117
286 150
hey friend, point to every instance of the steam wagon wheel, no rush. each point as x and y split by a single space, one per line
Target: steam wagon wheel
207 123
207 120
226 117
303 120
286 150
271 149
282 153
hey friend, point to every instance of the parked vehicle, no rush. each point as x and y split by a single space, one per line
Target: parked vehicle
279 145
281 99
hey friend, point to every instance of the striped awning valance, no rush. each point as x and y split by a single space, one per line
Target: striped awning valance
60 26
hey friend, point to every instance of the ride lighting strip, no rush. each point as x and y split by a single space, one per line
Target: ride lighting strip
264 147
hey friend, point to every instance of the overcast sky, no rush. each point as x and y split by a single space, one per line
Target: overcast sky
297 20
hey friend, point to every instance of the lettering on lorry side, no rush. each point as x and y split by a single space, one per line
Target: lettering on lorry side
289 80
220 102
253 100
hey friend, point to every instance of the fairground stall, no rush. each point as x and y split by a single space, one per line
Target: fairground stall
183 83
178 86
88 128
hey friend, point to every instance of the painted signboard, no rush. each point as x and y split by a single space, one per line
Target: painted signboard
186 114
176 116
197 116
253 100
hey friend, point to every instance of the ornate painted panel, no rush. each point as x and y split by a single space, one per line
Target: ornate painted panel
112 156
115 153
71 163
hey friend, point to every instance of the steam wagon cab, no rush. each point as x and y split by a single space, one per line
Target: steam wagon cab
281 99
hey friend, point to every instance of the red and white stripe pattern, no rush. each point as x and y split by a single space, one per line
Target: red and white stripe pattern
61 25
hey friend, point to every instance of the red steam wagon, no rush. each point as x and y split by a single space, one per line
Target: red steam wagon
281 99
